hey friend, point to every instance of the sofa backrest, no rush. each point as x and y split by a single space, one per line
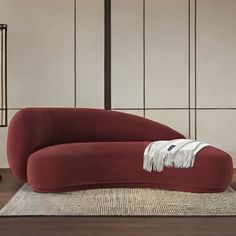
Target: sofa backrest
95 125
34 128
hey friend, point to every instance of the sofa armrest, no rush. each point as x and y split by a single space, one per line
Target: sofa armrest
29 130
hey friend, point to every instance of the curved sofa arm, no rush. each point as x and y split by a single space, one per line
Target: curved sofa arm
29 130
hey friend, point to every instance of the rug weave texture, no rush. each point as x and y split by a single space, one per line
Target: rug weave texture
120 202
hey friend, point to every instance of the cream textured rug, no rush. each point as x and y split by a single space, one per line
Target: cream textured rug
124 202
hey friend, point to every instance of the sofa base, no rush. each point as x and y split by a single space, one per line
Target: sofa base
76 166
163 186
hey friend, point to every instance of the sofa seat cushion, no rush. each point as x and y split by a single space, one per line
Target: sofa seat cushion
75 166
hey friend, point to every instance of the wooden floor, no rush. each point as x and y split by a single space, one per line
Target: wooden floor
138 226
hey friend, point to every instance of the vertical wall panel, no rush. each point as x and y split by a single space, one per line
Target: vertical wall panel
215 68
176 119
166 53
90 53
133 112
3 142
216 53
3 75
192 53
218 127
127 53
40 52
192 124
3 151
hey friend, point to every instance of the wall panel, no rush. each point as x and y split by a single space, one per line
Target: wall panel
166 53
133 112
127 53
176 119
216 53
218 127
3 142
90 53
40 52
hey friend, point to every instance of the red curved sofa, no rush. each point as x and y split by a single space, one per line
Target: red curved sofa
63 149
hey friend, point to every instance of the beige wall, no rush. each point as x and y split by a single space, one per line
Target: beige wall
192 92
90 53
127 53
149 61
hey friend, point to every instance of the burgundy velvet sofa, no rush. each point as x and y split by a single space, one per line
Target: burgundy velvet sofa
63 149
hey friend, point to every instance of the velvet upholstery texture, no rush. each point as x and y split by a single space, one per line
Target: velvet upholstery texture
63 149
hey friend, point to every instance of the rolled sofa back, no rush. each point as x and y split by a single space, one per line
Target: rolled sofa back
34 128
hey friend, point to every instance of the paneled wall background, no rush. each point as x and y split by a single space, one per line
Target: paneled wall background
172 61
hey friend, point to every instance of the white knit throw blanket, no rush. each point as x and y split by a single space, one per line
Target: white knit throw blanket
177 153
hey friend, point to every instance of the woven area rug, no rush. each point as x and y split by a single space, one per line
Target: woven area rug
120 202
